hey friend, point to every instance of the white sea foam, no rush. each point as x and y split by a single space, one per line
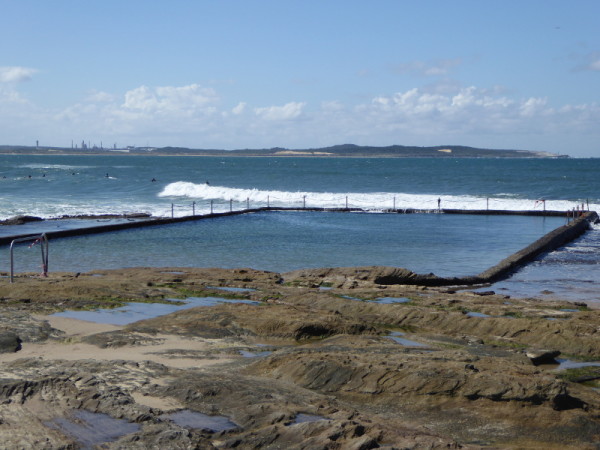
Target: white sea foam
53 166
185 198
373 200
54 210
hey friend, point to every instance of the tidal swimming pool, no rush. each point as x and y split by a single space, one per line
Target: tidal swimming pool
447 245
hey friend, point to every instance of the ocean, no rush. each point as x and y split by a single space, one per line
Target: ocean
51 186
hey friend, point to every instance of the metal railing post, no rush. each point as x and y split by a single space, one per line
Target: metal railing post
44 247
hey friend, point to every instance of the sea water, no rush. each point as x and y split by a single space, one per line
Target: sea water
55 185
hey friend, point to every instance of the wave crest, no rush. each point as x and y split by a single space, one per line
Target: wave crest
372 200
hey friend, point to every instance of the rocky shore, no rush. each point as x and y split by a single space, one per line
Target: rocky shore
329 358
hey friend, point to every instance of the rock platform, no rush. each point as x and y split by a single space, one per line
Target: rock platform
317 345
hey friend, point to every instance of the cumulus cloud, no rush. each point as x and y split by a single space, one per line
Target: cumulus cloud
288 111
15 74
192 116
470 111
169 99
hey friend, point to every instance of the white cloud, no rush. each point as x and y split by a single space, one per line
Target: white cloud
181 100
333 105
595 65
425 116
427 68
534 106
15 74
100 97
191 116
288 111
239 108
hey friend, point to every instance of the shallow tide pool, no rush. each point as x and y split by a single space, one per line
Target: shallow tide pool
132 312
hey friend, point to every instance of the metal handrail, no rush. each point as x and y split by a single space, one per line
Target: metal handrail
43 239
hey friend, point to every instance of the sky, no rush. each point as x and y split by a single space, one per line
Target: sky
235 74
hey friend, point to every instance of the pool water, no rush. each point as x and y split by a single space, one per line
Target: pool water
447 245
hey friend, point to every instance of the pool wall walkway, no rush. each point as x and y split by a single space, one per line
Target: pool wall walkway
556 238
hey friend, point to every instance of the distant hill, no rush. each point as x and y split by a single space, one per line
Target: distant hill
344 150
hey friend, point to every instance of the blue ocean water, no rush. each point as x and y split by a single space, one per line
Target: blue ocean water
123 184
54 185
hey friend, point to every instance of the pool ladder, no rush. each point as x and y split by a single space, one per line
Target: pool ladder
42 239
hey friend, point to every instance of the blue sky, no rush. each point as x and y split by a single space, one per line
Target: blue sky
302 74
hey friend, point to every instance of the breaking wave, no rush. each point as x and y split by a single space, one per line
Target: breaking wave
371 201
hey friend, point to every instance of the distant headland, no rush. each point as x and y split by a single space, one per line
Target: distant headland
344 150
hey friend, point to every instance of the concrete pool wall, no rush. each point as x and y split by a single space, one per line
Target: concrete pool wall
552 240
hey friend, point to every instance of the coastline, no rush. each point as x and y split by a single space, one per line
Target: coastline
342 151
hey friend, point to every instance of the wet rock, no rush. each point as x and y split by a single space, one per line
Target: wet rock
329 356
120 339
9 343
484 293
26 327
538 356
20 220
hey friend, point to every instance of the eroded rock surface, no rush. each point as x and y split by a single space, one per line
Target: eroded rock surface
441 369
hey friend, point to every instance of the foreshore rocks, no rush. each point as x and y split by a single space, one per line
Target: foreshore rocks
20 220
316 361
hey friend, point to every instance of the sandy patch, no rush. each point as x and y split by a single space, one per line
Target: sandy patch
171 350
164 403
76 327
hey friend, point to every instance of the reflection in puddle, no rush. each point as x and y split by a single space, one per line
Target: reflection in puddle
304 418
476 314
132 312
90 429
347 297
390 300
247 354
231 289
564 364
394 336
193 419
